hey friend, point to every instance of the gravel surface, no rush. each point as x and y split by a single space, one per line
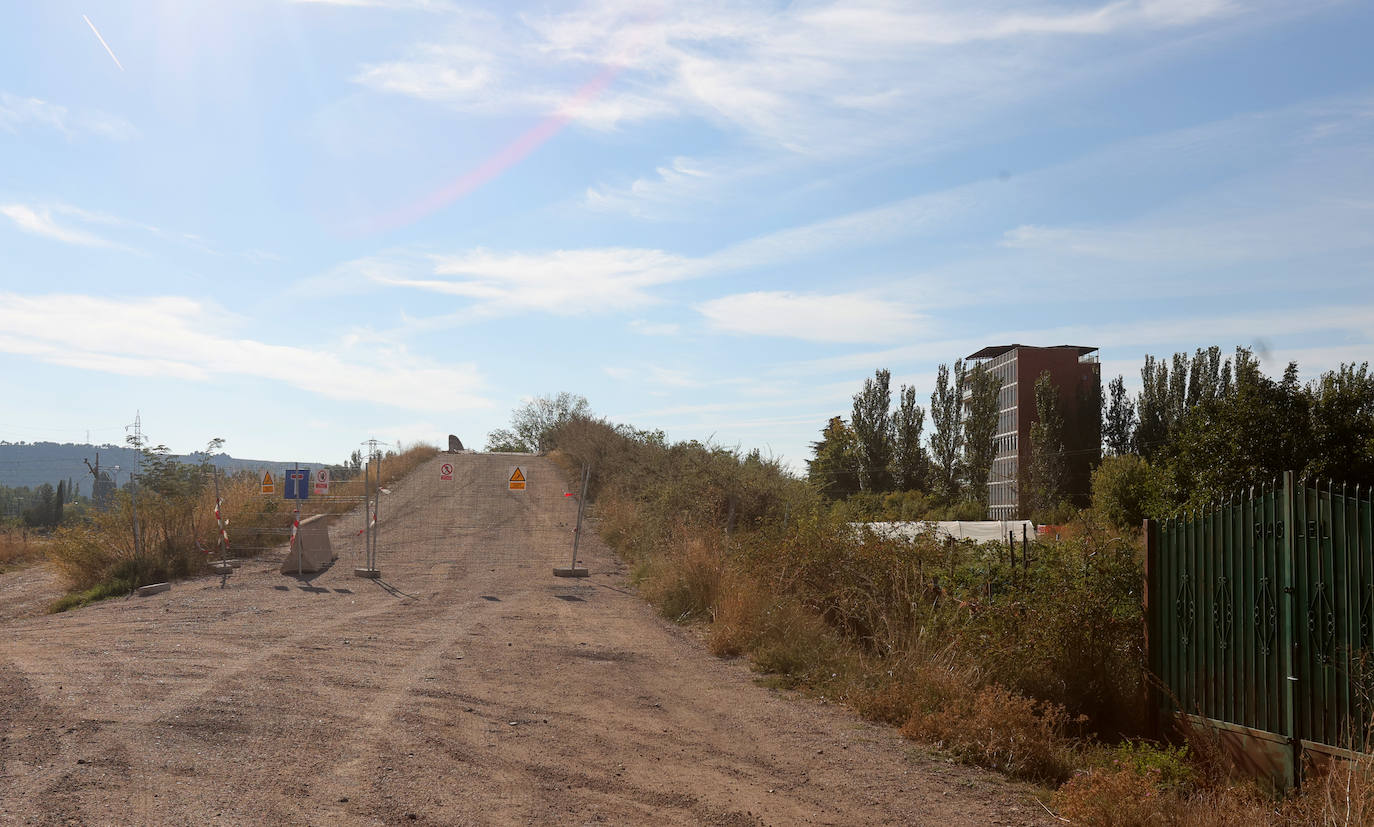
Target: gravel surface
469 686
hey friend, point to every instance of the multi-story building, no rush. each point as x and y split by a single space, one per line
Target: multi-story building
1078 376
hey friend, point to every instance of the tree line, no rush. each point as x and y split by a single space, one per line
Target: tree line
1203 428
42 506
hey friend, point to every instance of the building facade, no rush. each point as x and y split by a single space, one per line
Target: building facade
1077 374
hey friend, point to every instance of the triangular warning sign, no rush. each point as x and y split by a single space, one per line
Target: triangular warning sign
266 477
517 476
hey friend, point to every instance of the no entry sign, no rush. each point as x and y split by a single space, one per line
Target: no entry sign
446 472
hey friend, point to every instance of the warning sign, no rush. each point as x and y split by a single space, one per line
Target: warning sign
517 479
269 486
322 481
446 472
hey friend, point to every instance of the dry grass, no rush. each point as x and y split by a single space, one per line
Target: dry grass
19 547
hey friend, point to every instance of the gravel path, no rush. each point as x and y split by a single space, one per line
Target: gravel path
468 687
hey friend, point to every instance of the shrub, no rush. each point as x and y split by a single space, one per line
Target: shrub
1113 798
1124 491
998 728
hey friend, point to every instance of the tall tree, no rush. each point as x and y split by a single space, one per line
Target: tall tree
1049 472
1119 420
59 500
980 426
908 454
1252 435
835 468
1152 407
873 430
947 440
39 513
1343 425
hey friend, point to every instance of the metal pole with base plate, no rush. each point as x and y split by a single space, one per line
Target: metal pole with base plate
369 569
575 570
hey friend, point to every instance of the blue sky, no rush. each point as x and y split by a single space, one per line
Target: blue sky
297 225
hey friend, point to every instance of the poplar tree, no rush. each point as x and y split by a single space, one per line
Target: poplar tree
980 426
947 440
1119 419
909 455
1049 472
873 432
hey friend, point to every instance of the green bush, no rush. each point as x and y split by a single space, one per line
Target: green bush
1125 491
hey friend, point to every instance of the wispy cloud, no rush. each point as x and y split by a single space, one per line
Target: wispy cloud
39 221
811 78
18 113
835 317
129 337
561 282
671 184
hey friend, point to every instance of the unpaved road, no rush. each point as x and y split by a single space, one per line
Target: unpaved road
470 687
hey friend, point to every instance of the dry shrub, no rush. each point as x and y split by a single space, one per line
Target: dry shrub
998 728
683 585
737 615
1113 798
1343 793
797 646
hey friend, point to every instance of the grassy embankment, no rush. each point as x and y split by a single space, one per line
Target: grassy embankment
1035 670
178 530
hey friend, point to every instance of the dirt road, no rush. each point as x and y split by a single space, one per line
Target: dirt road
468 687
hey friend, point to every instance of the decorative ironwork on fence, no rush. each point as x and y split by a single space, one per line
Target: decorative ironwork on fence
1260 621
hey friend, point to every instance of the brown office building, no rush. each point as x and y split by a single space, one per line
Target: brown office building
1077 374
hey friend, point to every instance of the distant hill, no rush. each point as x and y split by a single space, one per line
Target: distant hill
34 463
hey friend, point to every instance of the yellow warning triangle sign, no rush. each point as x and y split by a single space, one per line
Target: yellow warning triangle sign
517 476
266 478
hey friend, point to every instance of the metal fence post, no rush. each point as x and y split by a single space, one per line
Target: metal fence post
1289 601
573 570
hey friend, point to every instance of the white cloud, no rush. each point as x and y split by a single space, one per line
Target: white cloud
39 221
561 282
129 337
680 180
17 113
842 317
810 78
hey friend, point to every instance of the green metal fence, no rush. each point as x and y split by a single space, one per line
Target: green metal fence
1260 620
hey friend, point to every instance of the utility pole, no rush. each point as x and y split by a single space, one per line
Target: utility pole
133 481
